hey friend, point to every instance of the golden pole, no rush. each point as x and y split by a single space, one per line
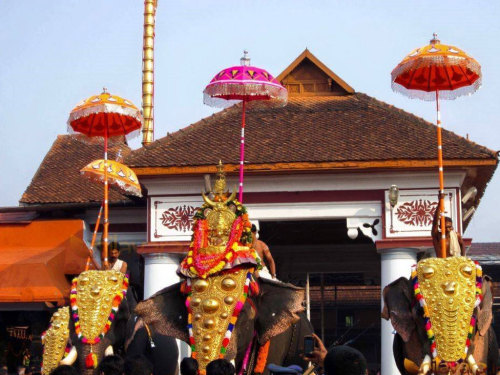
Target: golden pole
148 71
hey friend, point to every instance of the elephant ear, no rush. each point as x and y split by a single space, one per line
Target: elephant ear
165 312
484 310
398 297
278 306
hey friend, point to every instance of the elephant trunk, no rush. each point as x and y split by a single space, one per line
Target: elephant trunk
86 350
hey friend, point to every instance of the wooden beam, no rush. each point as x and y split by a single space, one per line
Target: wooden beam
313 167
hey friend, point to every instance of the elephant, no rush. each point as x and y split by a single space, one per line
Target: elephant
411 344
98 312
275 314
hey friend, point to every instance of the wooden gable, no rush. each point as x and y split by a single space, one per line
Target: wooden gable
307 76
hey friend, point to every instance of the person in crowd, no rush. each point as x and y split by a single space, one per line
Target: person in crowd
139 365
220 367
111 365
264 254
21 370
339 360
115 263
454 242
64 370
3 369
189 366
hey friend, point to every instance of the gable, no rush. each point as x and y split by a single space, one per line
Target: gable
307 76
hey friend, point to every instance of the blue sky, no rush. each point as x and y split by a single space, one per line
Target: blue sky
58 52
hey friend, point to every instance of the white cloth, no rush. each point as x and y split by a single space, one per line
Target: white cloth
264 272
454 244
118 265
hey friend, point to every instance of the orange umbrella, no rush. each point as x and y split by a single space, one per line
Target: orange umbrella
106 116
433 72
121 177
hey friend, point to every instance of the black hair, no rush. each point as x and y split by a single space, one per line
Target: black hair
110 365
254 228
114 245
448 219
344 360
220 367
189 366
64 370
138 365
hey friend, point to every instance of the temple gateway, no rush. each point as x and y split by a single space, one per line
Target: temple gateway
342 187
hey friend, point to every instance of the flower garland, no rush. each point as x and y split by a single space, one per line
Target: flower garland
114 309
260 365
240 235
237 309
427 318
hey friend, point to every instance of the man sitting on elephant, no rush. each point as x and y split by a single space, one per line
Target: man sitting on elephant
264 254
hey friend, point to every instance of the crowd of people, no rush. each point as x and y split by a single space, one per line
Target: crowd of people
337 360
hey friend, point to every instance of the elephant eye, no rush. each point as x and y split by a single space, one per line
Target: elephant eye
466 270
428 272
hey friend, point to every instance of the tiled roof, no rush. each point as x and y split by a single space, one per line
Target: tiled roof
58 178
316 129
485 252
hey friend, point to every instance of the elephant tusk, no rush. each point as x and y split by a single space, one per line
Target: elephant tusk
472 364
425 366
70 358
109 351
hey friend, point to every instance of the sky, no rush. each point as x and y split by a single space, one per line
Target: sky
54 53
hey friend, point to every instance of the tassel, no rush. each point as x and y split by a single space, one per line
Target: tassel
91 360
254 288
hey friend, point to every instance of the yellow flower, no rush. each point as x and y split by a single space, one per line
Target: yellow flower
189 260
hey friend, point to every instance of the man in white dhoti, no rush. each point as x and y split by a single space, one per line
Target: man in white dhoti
265 255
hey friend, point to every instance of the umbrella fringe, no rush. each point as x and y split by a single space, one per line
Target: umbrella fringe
431 95
256 94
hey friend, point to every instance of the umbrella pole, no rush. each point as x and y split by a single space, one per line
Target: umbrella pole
91 251
242 152
105 228
441 179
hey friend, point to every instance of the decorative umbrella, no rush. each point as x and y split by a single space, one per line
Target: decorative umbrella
244 83
433 72
120 177
105 116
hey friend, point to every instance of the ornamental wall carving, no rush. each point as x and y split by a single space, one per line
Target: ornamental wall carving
413 214
171 218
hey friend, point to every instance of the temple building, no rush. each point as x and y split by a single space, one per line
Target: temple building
318 177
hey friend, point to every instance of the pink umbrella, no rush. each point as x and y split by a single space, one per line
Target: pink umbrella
244 83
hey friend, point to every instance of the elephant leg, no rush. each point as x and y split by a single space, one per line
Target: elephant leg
492 351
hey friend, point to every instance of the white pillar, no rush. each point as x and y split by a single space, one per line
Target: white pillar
160 272
395 263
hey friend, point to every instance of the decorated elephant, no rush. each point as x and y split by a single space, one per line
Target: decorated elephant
99 315
442 317
220 307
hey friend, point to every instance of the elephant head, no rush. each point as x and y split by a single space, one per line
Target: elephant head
56 343
446 291
99 314
270 313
